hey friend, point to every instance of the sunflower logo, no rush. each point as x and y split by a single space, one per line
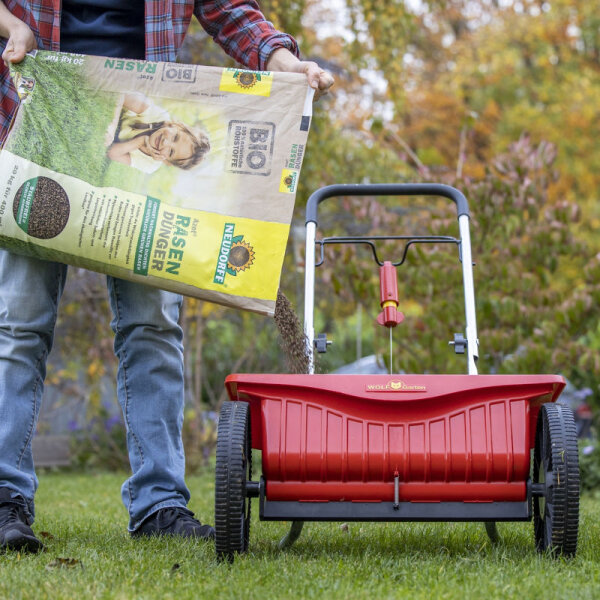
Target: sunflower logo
288 181
241 256
246 79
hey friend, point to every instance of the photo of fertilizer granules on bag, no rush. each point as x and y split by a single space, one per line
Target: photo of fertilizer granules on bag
179 176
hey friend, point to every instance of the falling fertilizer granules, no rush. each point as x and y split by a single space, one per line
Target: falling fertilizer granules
293 339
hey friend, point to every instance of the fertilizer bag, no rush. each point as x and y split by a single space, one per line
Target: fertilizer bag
178 176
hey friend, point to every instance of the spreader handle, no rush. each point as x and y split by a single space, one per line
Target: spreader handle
391 189
385 189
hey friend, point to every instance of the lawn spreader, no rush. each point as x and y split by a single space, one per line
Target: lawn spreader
471 447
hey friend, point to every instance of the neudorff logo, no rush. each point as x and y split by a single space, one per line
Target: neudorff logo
179 73
250 147
394 385
235 255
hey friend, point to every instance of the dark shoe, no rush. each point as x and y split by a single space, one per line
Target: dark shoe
174 521
15 533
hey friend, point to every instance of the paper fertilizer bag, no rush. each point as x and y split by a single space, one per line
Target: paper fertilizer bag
178 176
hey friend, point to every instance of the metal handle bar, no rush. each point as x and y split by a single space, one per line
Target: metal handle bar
385 189
370 242
391 189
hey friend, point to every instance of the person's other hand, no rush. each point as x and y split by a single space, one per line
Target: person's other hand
319 79
20 41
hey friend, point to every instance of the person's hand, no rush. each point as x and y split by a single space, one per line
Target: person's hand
319 79
121 151
20 41
148 149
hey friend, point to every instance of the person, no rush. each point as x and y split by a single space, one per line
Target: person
148 339
146 137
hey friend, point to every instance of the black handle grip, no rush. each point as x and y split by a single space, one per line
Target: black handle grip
385 189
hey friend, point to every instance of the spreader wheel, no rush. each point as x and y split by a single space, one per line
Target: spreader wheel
233 470
556 481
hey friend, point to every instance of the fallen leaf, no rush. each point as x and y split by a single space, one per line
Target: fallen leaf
68 563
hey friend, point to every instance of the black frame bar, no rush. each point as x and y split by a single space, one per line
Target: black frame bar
386 511
279 510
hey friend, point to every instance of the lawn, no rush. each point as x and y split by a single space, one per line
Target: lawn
80 517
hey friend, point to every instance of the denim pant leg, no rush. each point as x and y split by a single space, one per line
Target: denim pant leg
148 344
29 293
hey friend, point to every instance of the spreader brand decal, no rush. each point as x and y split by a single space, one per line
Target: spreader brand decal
235 255
394 385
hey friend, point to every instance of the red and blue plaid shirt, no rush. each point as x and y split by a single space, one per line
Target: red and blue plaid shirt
237 26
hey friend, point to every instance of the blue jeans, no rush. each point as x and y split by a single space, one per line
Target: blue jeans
148 344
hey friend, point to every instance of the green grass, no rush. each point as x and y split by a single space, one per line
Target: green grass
87 522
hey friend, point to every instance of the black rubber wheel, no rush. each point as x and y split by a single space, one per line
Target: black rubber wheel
556 470
233 470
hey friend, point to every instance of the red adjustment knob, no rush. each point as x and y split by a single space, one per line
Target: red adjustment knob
388 292
390 317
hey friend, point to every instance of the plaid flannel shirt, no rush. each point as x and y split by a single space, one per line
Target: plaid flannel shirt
237 26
